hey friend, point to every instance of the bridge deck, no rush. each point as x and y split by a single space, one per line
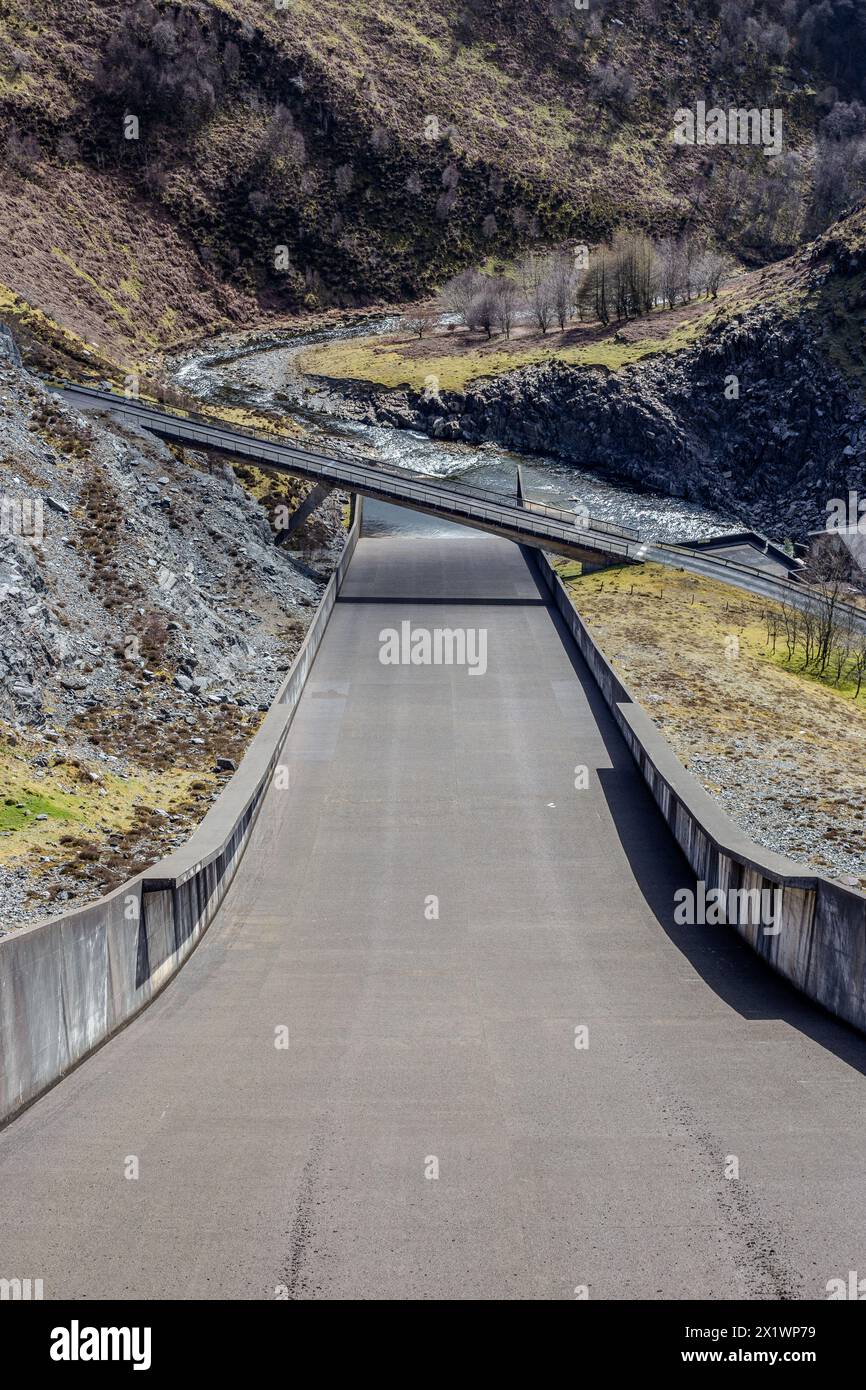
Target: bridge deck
594 542
453 1038
548 528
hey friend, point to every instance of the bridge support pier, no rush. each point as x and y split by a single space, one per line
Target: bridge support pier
356 510
311 502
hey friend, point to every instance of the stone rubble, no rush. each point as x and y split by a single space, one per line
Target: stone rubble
156 593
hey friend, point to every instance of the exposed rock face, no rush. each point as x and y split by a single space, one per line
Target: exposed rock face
756 420
133 539
8 347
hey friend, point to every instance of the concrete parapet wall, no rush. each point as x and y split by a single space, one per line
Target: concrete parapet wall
820 944
67 984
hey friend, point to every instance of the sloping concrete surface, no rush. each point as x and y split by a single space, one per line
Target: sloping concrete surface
299 1172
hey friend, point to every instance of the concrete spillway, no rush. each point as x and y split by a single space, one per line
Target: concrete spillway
302 1171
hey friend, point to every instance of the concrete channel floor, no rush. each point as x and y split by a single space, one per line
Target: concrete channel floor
300 1172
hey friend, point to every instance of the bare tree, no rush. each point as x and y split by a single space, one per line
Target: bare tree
584 297
600 283
562 287
506 293
22 150
634 274
691 257
844 638
483 312
827 574
67 149
671 271
281 136
710 271
460 292
791 621
578 281
422 319
613 86
536 274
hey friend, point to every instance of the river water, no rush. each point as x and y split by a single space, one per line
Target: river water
263 375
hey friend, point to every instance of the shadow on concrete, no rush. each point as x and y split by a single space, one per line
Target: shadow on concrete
722 959
447 601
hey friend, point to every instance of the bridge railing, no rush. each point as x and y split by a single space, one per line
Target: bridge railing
405 489
716 559
399 485
816 940
159 414
593 523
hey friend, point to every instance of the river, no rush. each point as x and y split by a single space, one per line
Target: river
263 375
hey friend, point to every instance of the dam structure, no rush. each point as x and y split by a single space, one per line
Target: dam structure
443 1037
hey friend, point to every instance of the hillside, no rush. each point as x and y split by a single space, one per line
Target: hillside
738 723
146 620
295 157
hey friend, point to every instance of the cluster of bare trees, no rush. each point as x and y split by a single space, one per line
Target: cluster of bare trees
839 172
487 303
634 275
823 637
623 279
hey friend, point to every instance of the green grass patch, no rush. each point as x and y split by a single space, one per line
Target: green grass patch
385 364
68 795
22 810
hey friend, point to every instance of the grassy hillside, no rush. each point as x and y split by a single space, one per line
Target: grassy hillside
298 156
780 750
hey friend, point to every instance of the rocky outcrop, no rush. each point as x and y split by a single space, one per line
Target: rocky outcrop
8 347
755 420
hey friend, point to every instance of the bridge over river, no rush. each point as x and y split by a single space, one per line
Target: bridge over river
433 916
593 541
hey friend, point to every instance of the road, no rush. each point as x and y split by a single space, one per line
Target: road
302 1171
752 581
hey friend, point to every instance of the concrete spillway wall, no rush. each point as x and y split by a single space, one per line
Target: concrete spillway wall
818 937
68 984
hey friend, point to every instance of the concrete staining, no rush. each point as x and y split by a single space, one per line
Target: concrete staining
300 1172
